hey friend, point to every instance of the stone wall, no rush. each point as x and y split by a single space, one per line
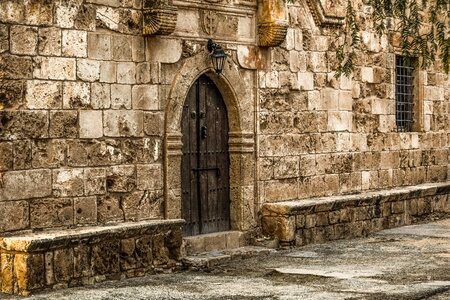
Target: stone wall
81 122
88 111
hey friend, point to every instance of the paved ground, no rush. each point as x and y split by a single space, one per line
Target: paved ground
406 263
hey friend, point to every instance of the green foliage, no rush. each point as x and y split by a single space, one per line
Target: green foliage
423 27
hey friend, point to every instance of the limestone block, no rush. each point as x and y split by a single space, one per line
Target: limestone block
14 215
318 62
143 73
108 71
121 48
68 182
121 178
345 100
7 157
290 40
272 80
123 123
48 153
22 154
88 70
85 210
286 167
95 181
23 40
43 94
149 177
253 58
91 124
138 48
367 74
153 123
63 264
82 261
306 81
12 11
16 67
63 124
126 72
145 97
49 41
76 95
163 50
99 46
25 184
57 68
74 43
51 212
4 38
100 95
143 205
346 83
279 190
121 96
297 61
108 17
65 13
7 273
339 121
109 209
330 99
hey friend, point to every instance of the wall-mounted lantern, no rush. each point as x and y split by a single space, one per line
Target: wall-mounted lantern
218 56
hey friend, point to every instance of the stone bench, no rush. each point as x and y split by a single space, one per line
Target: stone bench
81 256
302 222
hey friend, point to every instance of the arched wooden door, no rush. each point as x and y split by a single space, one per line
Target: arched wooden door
205 162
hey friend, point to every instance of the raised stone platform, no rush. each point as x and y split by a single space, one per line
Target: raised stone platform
302 222
81 256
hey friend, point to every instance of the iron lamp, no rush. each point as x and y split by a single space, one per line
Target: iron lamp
218 56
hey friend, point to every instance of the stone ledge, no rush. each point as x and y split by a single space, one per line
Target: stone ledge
82 256
303 222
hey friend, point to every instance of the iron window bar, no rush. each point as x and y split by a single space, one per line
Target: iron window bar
404 93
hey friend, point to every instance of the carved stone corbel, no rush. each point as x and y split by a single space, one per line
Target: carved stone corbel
321 18
160 17
272 24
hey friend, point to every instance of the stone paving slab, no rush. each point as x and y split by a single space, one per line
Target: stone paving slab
407 263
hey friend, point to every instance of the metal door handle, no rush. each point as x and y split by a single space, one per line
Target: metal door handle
203 132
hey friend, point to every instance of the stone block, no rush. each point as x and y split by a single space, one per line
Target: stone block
143 251
48 153
18 185
286 167
330 99
7 157
108 71
272 80
126 72
143 73
22 154
16 67
63 264
95 181
88 70
49 41
57 68
50 212
149 177
138 48
100 95
42 94
121 48
91 124
123 123
24 40
11 94
163 50
63 124
159 250
339 121
14 215
99 46
105 257
306 81
121 96
121 178
65 14
74 43
68 182
145 97
345 100
367 74
153 123
143 205
109 209
85 210
76 95
279 190
82 261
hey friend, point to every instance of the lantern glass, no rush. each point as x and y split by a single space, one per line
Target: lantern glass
218 56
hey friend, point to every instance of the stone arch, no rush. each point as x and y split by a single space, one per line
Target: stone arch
237 94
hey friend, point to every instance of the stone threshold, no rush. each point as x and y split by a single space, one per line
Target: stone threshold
302 222
86 255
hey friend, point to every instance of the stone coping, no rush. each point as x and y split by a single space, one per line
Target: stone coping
46 240
323 204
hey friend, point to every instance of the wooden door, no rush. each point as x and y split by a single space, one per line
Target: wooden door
205 162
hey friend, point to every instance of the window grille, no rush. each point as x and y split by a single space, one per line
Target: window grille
404 93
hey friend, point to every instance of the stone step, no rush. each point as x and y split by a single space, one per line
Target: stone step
213 258
210 242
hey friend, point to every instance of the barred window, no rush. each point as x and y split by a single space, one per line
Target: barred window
404 93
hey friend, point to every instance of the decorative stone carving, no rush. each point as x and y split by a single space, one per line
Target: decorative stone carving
209 21
322 17
272 24
160 17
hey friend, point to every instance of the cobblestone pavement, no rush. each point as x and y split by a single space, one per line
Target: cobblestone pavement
406 263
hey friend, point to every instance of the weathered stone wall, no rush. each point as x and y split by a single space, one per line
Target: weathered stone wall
81 126
84 138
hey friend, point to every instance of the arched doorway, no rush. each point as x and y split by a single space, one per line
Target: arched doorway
205 163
